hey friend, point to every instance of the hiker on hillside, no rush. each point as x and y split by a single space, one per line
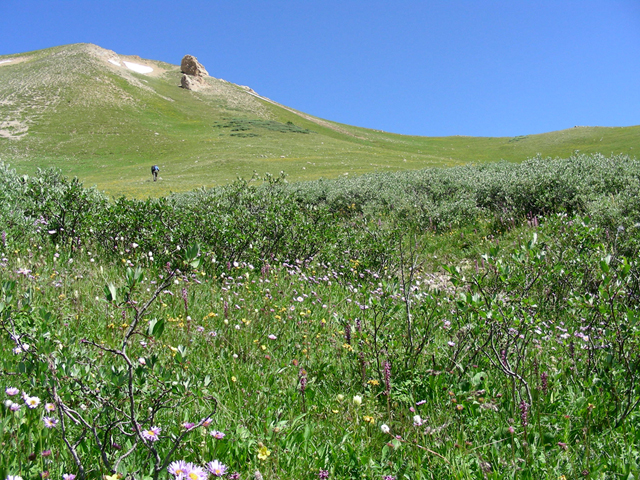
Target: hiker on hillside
154 171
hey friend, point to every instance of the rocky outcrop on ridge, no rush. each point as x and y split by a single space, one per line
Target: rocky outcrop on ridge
191 82
191 66
193 73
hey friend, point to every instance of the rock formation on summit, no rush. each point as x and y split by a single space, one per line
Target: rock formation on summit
193 73
191 66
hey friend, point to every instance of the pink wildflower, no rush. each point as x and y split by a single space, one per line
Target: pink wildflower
50 422
178 468
216 468
152 434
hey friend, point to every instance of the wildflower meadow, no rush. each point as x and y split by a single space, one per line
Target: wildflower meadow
472 323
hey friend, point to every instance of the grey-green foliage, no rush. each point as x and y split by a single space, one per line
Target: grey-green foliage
245 221
47 202
605 187
13 221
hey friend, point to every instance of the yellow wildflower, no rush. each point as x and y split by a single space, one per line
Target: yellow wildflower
263 451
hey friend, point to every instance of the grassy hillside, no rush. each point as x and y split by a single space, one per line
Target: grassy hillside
72 107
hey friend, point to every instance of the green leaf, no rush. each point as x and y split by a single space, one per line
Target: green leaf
156 327
307 433
182 352
133 276
110 292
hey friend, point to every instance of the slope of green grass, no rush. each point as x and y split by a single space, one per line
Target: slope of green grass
108 125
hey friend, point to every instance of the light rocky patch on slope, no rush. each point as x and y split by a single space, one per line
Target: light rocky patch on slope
13 129
235 97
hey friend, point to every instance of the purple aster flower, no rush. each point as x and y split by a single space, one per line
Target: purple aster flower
323 474
49 407
206 422
216 468
178 468
188 425
234 476
195 472
46 453
32 402
14 407
152 434
216 434
11 391
50 422
68 476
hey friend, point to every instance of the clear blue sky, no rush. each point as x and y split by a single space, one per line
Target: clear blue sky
449 67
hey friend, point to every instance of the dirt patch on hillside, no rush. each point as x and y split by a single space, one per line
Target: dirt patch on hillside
13 129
